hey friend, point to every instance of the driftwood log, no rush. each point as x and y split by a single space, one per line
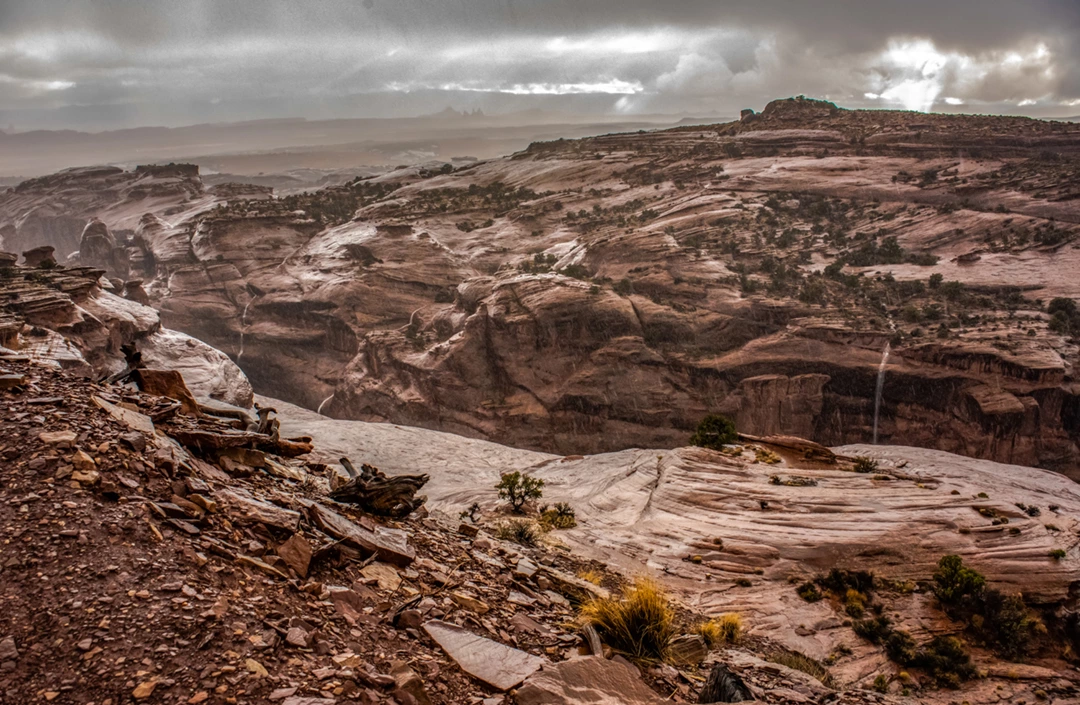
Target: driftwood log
377 493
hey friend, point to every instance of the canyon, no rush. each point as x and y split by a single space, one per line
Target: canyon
894 287
597 294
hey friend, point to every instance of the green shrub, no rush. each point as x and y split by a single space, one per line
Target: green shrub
577 271
1057 554
946 660
809 592
953 582
900 647
875 630
714 432
840 581
1062 305
561 516
1004 622
793 481
471 512
519 489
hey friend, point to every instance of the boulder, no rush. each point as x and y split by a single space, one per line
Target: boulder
167 383
40 257
207 371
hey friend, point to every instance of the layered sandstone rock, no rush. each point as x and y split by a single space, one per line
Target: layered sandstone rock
727 533
600 294
61 316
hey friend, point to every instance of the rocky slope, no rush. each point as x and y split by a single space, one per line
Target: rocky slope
598 294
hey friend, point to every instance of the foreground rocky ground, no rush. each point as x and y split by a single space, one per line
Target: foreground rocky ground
592 295
133 570
153 556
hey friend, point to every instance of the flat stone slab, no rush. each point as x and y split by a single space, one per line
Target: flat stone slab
243 508
498 665
587 681
132 419
390 545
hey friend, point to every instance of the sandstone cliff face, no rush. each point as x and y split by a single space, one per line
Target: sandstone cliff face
54 210
599 294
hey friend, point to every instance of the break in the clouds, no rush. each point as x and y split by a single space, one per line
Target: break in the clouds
96 64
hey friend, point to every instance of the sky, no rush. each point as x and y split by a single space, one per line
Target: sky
110 64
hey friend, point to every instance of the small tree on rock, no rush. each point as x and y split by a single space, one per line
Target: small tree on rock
519 489
714 432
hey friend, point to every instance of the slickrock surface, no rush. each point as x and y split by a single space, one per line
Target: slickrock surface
598 294
54 210
753 537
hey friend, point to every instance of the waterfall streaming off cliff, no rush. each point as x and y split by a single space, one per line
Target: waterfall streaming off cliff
243 328
880 386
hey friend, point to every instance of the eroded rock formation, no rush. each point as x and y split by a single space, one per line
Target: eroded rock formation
62 316
598 294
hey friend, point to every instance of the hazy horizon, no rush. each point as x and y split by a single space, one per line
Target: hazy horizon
110 65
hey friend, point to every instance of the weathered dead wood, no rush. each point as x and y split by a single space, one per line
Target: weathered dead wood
377 493
209 442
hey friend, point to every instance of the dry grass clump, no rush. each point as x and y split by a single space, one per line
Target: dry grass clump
725 629
640 623
592 576
865 465
802 662
764 455
520 531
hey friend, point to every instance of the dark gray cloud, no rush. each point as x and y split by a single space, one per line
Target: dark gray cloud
103 63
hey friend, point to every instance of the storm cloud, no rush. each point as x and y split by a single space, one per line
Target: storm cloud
112 63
